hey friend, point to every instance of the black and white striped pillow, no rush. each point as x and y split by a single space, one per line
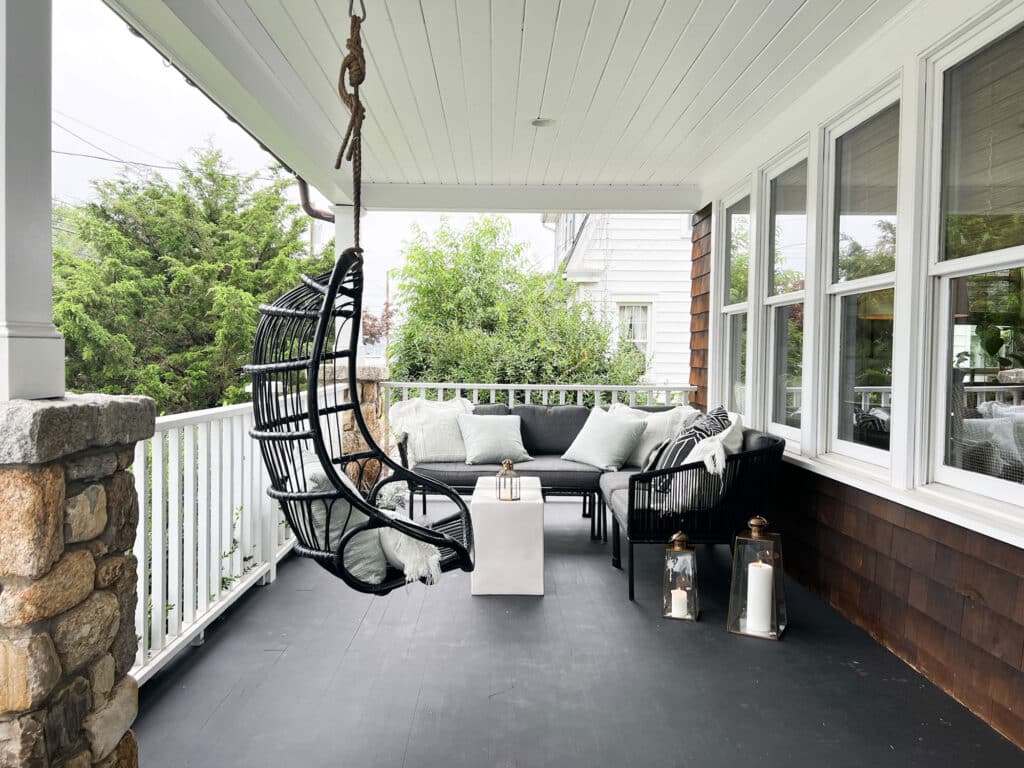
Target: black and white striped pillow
673 452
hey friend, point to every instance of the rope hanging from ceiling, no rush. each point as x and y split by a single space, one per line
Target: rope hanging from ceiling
353 69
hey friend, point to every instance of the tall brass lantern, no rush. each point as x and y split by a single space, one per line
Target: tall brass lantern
757 596
679 590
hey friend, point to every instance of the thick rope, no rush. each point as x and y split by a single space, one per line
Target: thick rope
354 64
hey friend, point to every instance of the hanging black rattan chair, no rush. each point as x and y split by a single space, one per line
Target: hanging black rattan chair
326 467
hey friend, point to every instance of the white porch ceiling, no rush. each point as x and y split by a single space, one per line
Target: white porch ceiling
642 91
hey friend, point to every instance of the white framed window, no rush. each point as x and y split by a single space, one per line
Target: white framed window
635 326
860 227
735 239
783 249
975 250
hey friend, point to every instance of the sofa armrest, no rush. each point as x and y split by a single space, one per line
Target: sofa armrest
676 489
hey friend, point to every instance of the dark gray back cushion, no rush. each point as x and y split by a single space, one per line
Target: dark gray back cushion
490 409
548 430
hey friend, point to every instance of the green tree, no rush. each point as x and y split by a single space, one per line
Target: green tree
857 261
471 311
156 289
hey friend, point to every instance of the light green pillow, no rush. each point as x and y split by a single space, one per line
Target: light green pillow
491 439
606 440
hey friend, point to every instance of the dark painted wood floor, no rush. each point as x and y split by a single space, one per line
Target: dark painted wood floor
307 673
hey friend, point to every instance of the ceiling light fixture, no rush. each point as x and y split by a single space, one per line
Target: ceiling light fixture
542 122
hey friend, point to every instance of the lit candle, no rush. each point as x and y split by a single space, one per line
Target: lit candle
505 492
759 597
680 603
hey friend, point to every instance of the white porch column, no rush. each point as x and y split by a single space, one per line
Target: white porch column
31 349
343 231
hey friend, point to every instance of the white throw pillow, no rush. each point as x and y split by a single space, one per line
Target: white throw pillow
364 557
661 425
606 440
416 559
998 431
492 439
433 428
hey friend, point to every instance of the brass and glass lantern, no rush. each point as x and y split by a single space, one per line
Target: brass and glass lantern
679 593
757 597
507 482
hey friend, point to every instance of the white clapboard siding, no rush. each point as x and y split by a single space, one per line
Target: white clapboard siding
641 259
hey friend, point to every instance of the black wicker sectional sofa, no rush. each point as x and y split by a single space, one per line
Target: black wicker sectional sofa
646 507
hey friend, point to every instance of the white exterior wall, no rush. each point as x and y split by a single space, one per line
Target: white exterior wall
639 259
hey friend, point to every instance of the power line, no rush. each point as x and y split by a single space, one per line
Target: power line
108 134
86 141
115 160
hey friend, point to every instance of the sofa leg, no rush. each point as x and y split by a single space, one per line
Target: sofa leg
412 503
424 509
616 545
586 506
603 510
629 554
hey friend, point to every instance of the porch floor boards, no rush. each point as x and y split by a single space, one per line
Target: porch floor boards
307 673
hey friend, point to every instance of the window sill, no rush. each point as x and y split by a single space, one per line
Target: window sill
989 517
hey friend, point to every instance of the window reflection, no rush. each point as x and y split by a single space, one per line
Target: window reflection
865 379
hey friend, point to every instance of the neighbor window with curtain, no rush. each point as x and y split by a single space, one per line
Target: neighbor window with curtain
863 264
634 325
982 243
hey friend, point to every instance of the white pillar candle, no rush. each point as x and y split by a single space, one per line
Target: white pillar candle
759 597
680 603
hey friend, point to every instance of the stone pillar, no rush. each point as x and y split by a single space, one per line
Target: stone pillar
68 514
700 306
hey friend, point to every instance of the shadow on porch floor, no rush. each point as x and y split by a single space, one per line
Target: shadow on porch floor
308 673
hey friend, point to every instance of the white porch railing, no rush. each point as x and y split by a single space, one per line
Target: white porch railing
542 394
207 529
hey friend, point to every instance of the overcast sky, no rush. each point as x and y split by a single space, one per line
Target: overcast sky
114 97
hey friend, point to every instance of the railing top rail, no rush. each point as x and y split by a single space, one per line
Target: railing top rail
538 387
211 414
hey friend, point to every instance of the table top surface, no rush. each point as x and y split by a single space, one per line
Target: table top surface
530 490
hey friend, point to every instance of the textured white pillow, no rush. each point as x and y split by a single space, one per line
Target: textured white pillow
433 428
416 559
492 439
661 425
364 556
606 440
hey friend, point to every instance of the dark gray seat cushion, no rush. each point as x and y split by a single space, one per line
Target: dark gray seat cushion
616 481
553 471
548 430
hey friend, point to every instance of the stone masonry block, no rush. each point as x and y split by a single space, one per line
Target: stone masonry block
29 670
64 715
40 431
66 585
31 520
109 570
126 642
101 678
85 514
22 743
125 754
122 511
87 630
110 722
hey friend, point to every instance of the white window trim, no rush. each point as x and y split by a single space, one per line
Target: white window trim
929 462
718 332
767 303
881 97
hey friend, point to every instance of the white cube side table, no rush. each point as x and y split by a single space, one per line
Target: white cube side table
509 540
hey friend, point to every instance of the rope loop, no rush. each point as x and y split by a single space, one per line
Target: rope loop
353 70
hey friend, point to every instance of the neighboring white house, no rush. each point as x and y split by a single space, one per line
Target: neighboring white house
635 269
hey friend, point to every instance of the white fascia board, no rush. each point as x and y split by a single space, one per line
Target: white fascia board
531 198
203 42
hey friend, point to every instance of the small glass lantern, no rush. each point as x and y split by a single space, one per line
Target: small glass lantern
679 593
507 482
757 597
